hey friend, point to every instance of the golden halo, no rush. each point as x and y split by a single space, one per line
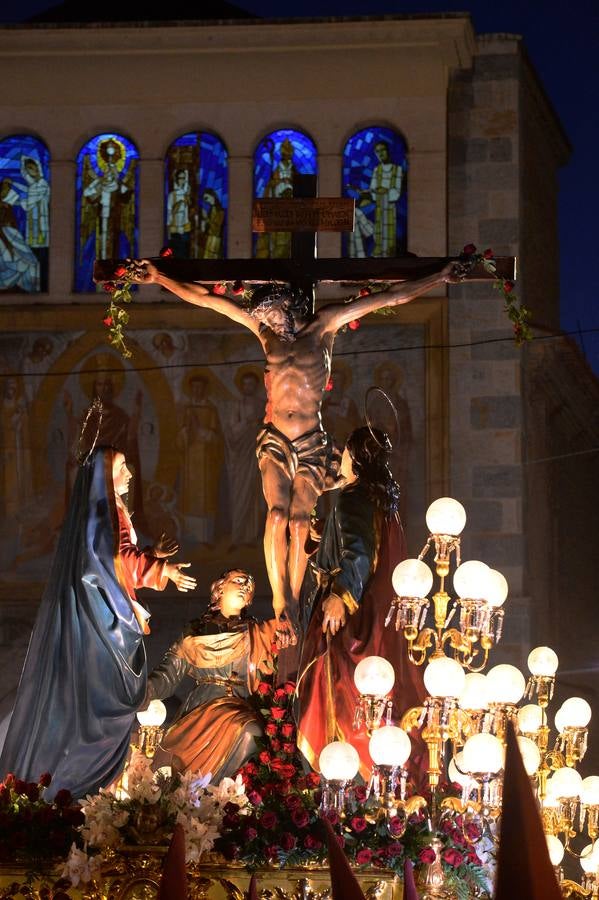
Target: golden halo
215 388
118 162
93 366
374 389
248 369
394 367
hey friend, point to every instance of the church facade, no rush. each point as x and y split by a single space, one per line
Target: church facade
118 139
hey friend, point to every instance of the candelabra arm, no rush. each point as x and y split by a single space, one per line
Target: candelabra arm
570 888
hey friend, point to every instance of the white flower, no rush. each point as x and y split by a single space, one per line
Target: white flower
79 867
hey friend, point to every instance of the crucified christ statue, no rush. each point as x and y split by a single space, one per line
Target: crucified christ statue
295 455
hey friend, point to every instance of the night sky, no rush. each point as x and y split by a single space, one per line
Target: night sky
563 42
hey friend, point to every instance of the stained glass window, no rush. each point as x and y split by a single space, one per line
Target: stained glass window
374 173
278 158
24 214
196 196
107 204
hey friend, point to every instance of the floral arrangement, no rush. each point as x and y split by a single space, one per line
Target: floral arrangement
146 811
281 822
516 313
34 831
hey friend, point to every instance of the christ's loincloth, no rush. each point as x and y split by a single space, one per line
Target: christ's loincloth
312 456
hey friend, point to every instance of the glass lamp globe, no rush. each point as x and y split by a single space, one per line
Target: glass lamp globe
374 676
474 693
446 516
589 859
542 661
559 721
565 783
154 715
530 718
412 578
339 761
497 589
455 775
389 746
531 755
556 849
444 677
589 794
483 753
576 713
505 684
470 580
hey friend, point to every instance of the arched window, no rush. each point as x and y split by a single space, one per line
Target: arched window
196 196
374 173
24 214
106 204
278 158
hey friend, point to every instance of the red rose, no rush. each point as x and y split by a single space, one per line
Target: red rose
363 856
269 819
395 849
396 826
272 851
219 288
453 857
166 251
472 831
32 792
289 687
249 834
508 286
285 770
238 287
277 712
20 786
354 324
288 841
293 801
279 694
473 858
275 745
312 843
263 688
9 781
333 816
255 798
469 250
271 728
364 292
45 779
284 788
120 271
358 823
329 385
427 856
228 849
231 820
109 287
289 748
287 729
108 321
264 757
313 779
488 254
250 768
360 793
300 818
63 798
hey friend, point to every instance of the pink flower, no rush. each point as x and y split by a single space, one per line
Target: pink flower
255 798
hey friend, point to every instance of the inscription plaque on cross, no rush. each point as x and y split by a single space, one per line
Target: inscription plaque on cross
304 215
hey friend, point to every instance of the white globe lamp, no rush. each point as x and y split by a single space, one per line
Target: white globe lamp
506 684
339 761
412 578
470 580
446 516
543 661
374 676
444 677
389 746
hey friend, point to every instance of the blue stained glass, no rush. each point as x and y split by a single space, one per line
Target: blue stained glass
375 175
107 191
24 214
196 196
278 157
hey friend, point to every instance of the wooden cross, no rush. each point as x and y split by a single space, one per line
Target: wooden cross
304 216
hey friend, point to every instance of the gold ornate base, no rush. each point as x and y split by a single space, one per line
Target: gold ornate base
134 874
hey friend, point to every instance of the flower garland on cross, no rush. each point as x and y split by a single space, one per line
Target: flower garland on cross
116 316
